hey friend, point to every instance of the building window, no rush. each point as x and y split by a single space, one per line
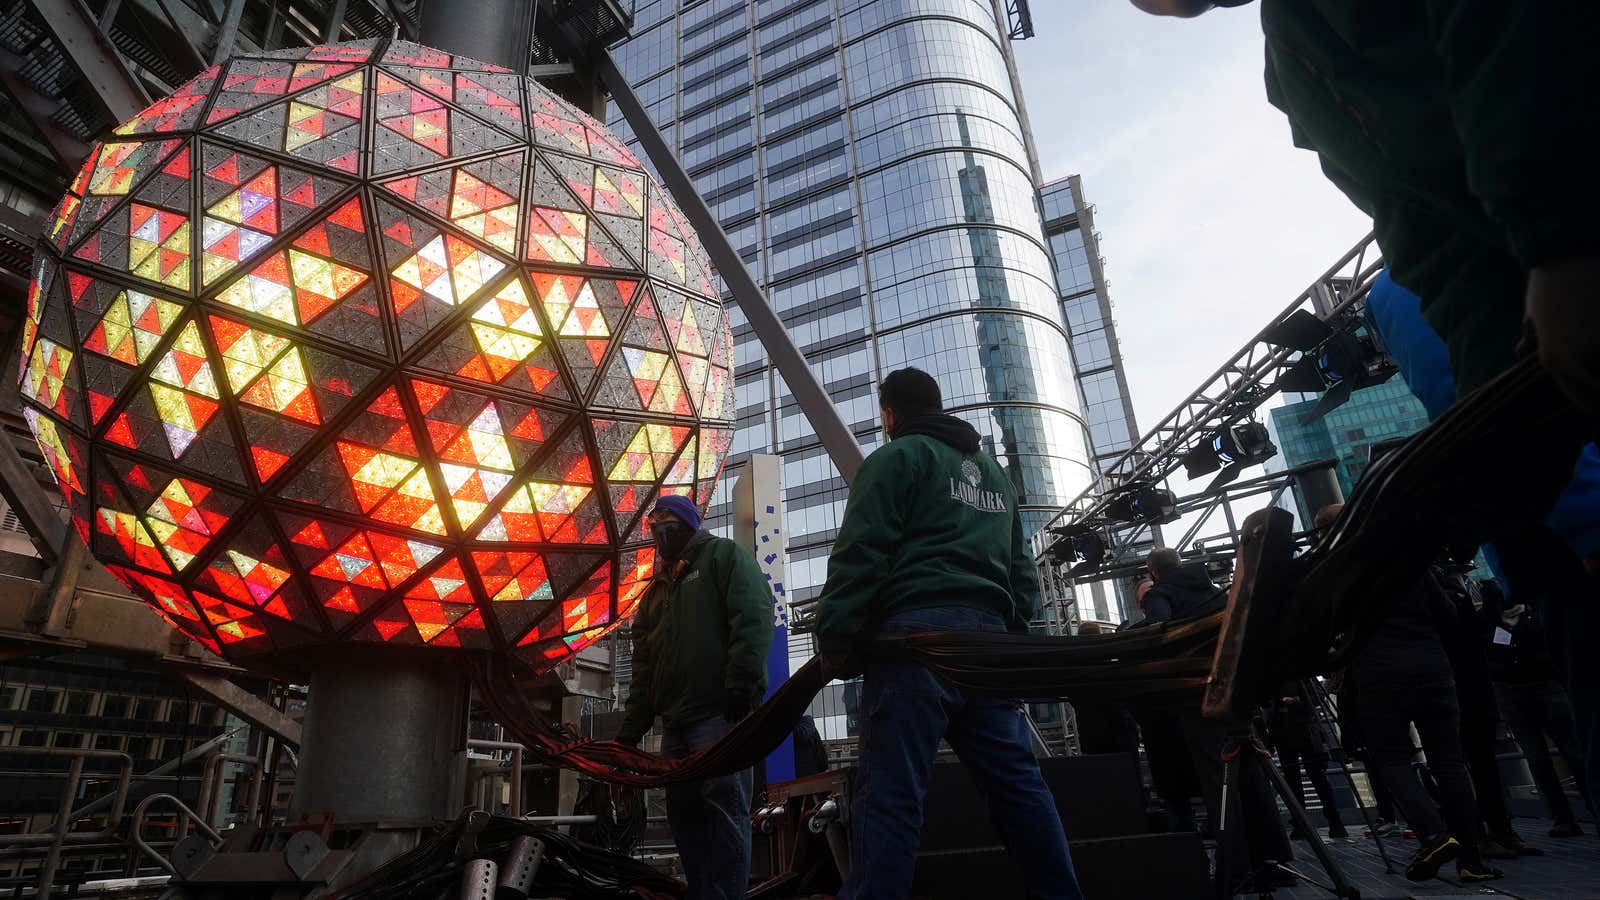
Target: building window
108 742
114 706
32 738
68 739
139 747
41 700
178 713
79 703
10 696
149 710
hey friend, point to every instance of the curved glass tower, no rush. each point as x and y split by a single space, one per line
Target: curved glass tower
869 159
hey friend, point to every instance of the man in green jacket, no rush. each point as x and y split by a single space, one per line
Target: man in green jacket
700 646
932 540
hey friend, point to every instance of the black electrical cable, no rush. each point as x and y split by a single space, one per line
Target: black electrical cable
1168 660
571 868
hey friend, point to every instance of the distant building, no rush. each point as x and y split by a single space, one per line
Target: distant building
1096 360
1371 416
1086 307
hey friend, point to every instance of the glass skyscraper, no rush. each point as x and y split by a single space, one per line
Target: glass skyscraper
870 161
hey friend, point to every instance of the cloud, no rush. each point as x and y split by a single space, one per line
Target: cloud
1211 221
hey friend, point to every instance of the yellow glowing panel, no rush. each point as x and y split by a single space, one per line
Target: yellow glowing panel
262 296
285 389
509 308
185 366
384 470
635 463
249 355
110 175
585 319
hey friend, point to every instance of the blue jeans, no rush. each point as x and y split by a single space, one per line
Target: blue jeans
907 710
710 819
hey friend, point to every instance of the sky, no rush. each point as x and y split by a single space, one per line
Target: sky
1211 221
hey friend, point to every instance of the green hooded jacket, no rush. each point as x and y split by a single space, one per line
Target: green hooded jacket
702 633
931 521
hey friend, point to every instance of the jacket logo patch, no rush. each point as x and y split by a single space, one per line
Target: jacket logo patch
977 498
694 575
971 472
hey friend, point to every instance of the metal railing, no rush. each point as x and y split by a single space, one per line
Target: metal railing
186 816
60 833
123 833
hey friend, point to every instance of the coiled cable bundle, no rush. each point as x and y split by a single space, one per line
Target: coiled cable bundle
1167 661
498 856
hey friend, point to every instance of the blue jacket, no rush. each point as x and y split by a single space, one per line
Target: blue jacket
1396 314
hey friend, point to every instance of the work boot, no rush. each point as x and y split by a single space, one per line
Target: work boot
1493 849
1478 871
1508 838
1337 832
1567 830
1433 854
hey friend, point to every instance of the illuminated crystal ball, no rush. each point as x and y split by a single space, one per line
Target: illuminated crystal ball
369 343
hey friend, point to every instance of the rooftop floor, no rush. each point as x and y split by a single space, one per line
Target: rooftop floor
1569 870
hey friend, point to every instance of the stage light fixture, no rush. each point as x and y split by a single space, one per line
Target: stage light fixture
1143 503
1230 449
1345 363
1301 330
1081 546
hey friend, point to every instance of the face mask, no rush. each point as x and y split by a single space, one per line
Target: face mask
670 538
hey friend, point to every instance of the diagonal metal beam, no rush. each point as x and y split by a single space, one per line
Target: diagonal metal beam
330 31
29 502
245 705
67 150
831 428
227 32
113 85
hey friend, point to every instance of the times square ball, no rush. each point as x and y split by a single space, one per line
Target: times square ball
371 344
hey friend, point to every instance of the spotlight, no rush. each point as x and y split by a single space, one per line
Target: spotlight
1345 363
1232 449
1300 331
1081 546
1143 503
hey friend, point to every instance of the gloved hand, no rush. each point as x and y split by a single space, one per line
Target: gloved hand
736 704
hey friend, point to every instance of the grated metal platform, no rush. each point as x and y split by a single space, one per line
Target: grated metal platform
1569 870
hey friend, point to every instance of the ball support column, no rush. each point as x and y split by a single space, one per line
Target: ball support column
385 734
384 740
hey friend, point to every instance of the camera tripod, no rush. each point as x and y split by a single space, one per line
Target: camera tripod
1240 749
1319 692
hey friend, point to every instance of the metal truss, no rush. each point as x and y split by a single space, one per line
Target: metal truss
1019 18
1213 543
1232 393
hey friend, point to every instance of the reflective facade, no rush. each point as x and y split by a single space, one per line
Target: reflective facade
869 160
1086 307
1372 415
1097 359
